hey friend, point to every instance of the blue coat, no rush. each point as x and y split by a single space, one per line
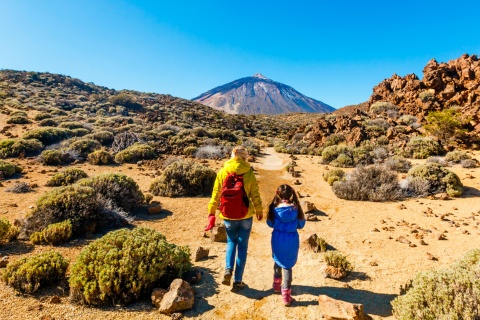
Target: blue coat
285 239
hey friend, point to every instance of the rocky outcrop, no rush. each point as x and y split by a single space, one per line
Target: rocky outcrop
332 309
181 296
260 95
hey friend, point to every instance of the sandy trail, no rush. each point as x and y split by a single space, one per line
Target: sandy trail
271 160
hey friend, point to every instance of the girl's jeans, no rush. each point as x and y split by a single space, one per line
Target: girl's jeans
238 232
287 275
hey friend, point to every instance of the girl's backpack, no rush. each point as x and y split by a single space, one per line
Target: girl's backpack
233 199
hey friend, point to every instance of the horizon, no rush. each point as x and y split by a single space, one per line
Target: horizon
186 49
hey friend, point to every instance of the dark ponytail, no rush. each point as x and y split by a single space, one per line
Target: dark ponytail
286 193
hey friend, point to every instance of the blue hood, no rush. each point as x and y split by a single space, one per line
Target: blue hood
286 214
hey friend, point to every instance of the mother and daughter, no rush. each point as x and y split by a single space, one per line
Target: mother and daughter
236 194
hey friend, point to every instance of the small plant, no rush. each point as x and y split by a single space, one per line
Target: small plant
382 106
124 140
48 135
456 156
19 187
469 163
438 179
452 293
53 234
70 125
4 227
331 153
398 164
17 119
426 96
104 137
148 198
28 275
343 161
124 266
100 157
134 153
371 183
9 169
209 152
333 175
18 147
422 148
84 146
70 176
42 116
447 125
184 178
48 123
55 157
337 260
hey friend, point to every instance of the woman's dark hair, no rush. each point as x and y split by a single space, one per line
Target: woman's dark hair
285 193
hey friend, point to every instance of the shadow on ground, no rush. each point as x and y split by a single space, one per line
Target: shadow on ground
469 192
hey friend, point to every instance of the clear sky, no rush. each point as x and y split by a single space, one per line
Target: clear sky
332 51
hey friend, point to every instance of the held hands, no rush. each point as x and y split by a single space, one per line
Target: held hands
211 222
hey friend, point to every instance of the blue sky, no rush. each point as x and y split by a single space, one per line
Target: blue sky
333 51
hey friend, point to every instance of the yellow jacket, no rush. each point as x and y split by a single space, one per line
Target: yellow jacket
238 166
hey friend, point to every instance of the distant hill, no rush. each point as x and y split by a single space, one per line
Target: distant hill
260 95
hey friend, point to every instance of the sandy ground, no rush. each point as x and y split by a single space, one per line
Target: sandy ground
364 231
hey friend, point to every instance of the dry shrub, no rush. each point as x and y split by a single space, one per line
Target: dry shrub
84 146
371 183
9 169
183 178
124 140
331 153
457 156
19 147
124 266
337 260
48 135
28 275
469 163
422 148
438 178
134 153
55 157
333 175
19 187
452 293
398 164
53 234
100 157
70 176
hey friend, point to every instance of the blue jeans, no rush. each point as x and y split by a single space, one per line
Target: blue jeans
238 233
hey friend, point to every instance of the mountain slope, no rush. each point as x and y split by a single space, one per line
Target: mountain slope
260 95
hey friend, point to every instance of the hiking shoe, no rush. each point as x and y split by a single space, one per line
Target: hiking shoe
277 284
237 286
287 296
227 277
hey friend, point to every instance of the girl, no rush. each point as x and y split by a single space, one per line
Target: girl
285 216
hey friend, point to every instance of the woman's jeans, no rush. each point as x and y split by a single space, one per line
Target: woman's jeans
238 232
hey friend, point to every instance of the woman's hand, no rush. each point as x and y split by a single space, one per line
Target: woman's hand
259 216
211 222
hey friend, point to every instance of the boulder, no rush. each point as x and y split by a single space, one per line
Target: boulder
218 233
201 253
307 206
180 296
332 309
157 296
333 272
154 208
4 261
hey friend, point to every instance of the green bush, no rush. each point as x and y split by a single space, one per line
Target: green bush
337 260
48 135
28 275
124 100
333 175
333 139
77 203
343 161
447 125
84 146
104 137
371 183
331 153
122 190
17 119
437 178
457 156
426 96
134 153
8 169
124 266
70 176
184 178
70 125
382 106
422 148
18 147
452 293
80 132
54 157
47 123
100 157
4 227
53 234
42 116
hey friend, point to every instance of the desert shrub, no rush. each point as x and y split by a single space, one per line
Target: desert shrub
122 190
333 175
456 156
77 203
343 161
124 100
70 176
253 148
48 135
19 187
124 266
148 198
80 132
382 106
18 147
408 120
17 119
370 183
104 137
70 125
452 293
209 152
422 148
100 157
337 260
438 178
42 116
8 169
134 153
4 227
447 125
184 178
53 234
363 155
190 151
333 139
469 163
54 157
48 123
439 160
398 164
124 140
28 275
426 96
84 146
331 153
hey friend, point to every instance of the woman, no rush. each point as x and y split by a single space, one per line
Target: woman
238 230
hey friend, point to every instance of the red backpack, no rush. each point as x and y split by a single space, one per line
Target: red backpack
233 199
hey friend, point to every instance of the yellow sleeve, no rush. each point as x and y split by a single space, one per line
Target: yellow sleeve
216 192
254 193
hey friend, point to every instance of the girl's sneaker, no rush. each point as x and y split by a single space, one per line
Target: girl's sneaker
287 296
277 284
